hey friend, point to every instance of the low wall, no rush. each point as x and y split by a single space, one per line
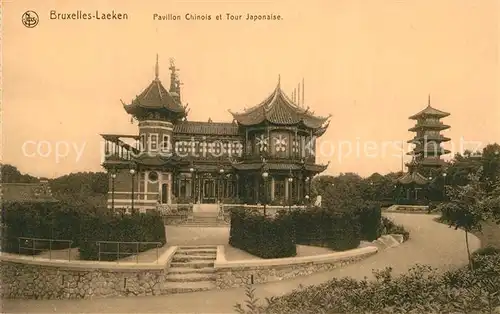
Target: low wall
239 273
408 208
39 278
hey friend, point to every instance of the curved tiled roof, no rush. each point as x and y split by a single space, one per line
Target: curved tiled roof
155 96
279 166
413 177
430 111
279 109
206 128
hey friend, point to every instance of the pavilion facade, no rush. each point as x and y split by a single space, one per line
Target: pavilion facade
265 155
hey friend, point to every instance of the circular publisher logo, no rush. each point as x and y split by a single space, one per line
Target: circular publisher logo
30 19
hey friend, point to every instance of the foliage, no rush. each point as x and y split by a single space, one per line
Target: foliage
80 223
272 237
421 290
345 189
251 303
11 174
42 220
370 222
320 227
108 226
82 187
389 227
261 236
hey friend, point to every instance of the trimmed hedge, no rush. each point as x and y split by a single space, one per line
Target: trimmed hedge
318 227
137 227
269 237
43 220
370 221
80 224
261 236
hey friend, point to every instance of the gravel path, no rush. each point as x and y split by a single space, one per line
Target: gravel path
430 243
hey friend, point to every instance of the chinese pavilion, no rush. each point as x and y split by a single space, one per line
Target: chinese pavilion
266 155
426 155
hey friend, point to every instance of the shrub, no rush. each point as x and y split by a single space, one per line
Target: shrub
138 227
320 227
421 290
370 221
81 223
389 227
41 220
261 236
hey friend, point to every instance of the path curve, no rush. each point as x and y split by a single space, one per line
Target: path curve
430 243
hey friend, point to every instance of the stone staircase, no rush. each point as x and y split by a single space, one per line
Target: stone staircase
191 269
386 241
205 208
204 219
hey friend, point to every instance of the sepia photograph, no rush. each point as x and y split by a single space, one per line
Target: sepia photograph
250 156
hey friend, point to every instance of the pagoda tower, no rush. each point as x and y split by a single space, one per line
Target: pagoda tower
141 174
426 155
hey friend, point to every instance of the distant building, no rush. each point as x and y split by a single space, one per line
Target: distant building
26 192
267 154
426 160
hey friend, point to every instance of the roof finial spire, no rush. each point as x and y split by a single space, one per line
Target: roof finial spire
429 100
279 80
157 69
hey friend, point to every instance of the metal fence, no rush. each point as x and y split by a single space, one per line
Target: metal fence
30 244
119 253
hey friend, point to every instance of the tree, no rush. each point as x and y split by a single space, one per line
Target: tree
10 174
469 206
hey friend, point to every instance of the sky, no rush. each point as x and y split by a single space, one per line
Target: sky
371 64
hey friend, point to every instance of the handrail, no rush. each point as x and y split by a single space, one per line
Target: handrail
118 253
34 249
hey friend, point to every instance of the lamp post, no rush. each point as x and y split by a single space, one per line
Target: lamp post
219 190
444 185
308 184
191 170
132 173
290 180
113 177
265 175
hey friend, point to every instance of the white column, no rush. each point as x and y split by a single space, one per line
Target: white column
146 173
169 188
286 188
272 189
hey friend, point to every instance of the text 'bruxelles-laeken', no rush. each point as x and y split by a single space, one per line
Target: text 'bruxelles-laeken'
217 17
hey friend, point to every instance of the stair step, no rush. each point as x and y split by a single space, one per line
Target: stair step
389 241
379 244
197 252
203 226
189 258
194 264
183 287
190 277
189 270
